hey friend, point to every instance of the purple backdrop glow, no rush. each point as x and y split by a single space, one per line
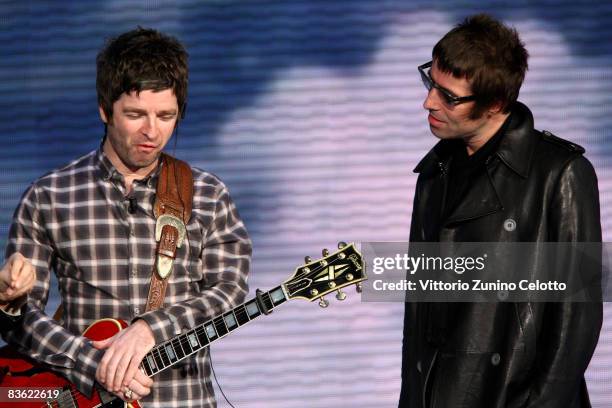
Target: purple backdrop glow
310 111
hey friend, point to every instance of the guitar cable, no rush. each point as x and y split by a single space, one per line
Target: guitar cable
212 369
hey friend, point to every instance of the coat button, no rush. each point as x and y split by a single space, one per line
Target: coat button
495 359
502 295
509 225
419 369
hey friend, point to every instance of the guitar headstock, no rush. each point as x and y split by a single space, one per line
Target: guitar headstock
315 279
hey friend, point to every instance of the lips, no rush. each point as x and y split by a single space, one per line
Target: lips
145 147
433 121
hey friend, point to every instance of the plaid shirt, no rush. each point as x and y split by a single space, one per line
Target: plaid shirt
76 222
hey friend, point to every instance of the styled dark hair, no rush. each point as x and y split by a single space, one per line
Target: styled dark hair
138 60
490 55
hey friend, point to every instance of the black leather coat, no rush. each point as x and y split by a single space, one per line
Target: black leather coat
505 354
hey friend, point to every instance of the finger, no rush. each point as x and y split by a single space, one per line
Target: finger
102 368
103 344
122 396
121 367
132 368
27 274
134 396
16 268
26 285
109 373
9 293
139 388
99 375
143 379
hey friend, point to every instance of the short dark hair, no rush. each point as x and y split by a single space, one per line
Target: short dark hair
138 60
490 55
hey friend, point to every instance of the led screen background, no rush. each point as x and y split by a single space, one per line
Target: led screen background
311 112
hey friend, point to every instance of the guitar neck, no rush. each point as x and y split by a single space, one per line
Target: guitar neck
186 344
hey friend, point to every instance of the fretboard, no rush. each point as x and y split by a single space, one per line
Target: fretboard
186 344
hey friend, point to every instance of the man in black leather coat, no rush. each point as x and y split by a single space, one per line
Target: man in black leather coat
494 178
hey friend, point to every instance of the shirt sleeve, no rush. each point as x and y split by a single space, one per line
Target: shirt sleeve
38 335
226 259
13 308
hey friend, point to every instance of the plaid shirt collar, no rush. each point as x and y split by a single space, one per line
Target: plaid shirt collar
108 172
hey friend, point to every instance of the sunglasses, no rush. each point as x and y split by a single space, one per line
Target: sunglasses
449 97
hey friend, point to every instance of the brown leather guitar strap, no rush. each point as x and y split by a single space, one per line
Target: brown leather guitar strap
172 209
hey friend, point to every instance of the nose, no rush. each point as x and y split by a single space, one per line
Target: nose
431 102
149 127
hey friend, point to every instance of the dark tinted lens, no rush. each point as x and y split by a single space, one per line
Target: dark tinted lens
426 80
448 99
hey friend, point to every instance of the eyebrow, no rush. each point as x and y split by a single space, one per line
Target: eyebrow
144 112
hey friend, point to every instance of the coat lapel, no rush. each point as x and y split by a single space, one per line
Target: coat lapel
480 200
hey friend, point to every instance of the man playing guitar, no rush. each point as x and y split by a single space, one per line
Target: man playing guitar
96 224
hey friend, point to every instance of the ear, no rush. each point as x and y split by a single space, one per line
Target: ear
102 115
495 108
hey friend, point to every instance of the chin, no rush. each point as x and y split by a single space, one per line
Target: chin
443 135
139 164
436 132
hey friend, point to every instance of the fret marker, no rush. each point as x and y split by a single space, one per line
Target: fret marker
230 321
252 309
277 295
210 330
151 362
170 352
193 341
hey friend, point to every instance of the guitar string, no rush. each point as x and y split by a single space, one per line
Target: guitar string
77 396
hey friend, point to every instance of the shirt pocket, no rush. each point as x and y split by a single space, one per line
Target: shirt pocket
188 262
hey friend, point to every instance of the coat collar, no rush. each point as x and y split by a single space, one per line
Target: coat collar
515 149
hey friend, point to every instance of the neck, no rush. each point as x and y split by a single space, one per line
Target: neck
129 174
178 348
485 133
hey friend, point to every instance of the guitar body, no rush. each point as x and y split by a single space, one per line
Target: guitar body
17 371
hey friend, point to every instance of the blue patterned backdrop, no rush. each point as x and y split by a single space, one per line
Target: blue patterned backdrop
311 112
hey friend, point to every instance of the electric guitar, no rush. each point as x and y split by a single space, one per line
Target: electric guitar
310 281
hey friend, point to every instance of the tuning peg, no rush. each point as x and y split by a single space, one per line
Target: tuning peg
323 302
341 244
359 288
340 295
325 252
307 259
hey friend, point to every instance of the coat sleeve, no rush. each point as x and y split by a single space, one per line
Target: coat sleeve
38 335
568 332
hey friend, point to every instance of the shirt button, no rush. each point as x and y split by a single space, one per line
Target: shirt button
419 368
136 311
495 359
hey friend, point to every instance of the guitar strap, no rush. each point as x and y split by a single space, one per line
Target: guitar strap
172 209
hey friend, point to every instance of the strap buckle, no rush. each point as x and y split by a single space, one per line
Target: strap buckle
165 258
